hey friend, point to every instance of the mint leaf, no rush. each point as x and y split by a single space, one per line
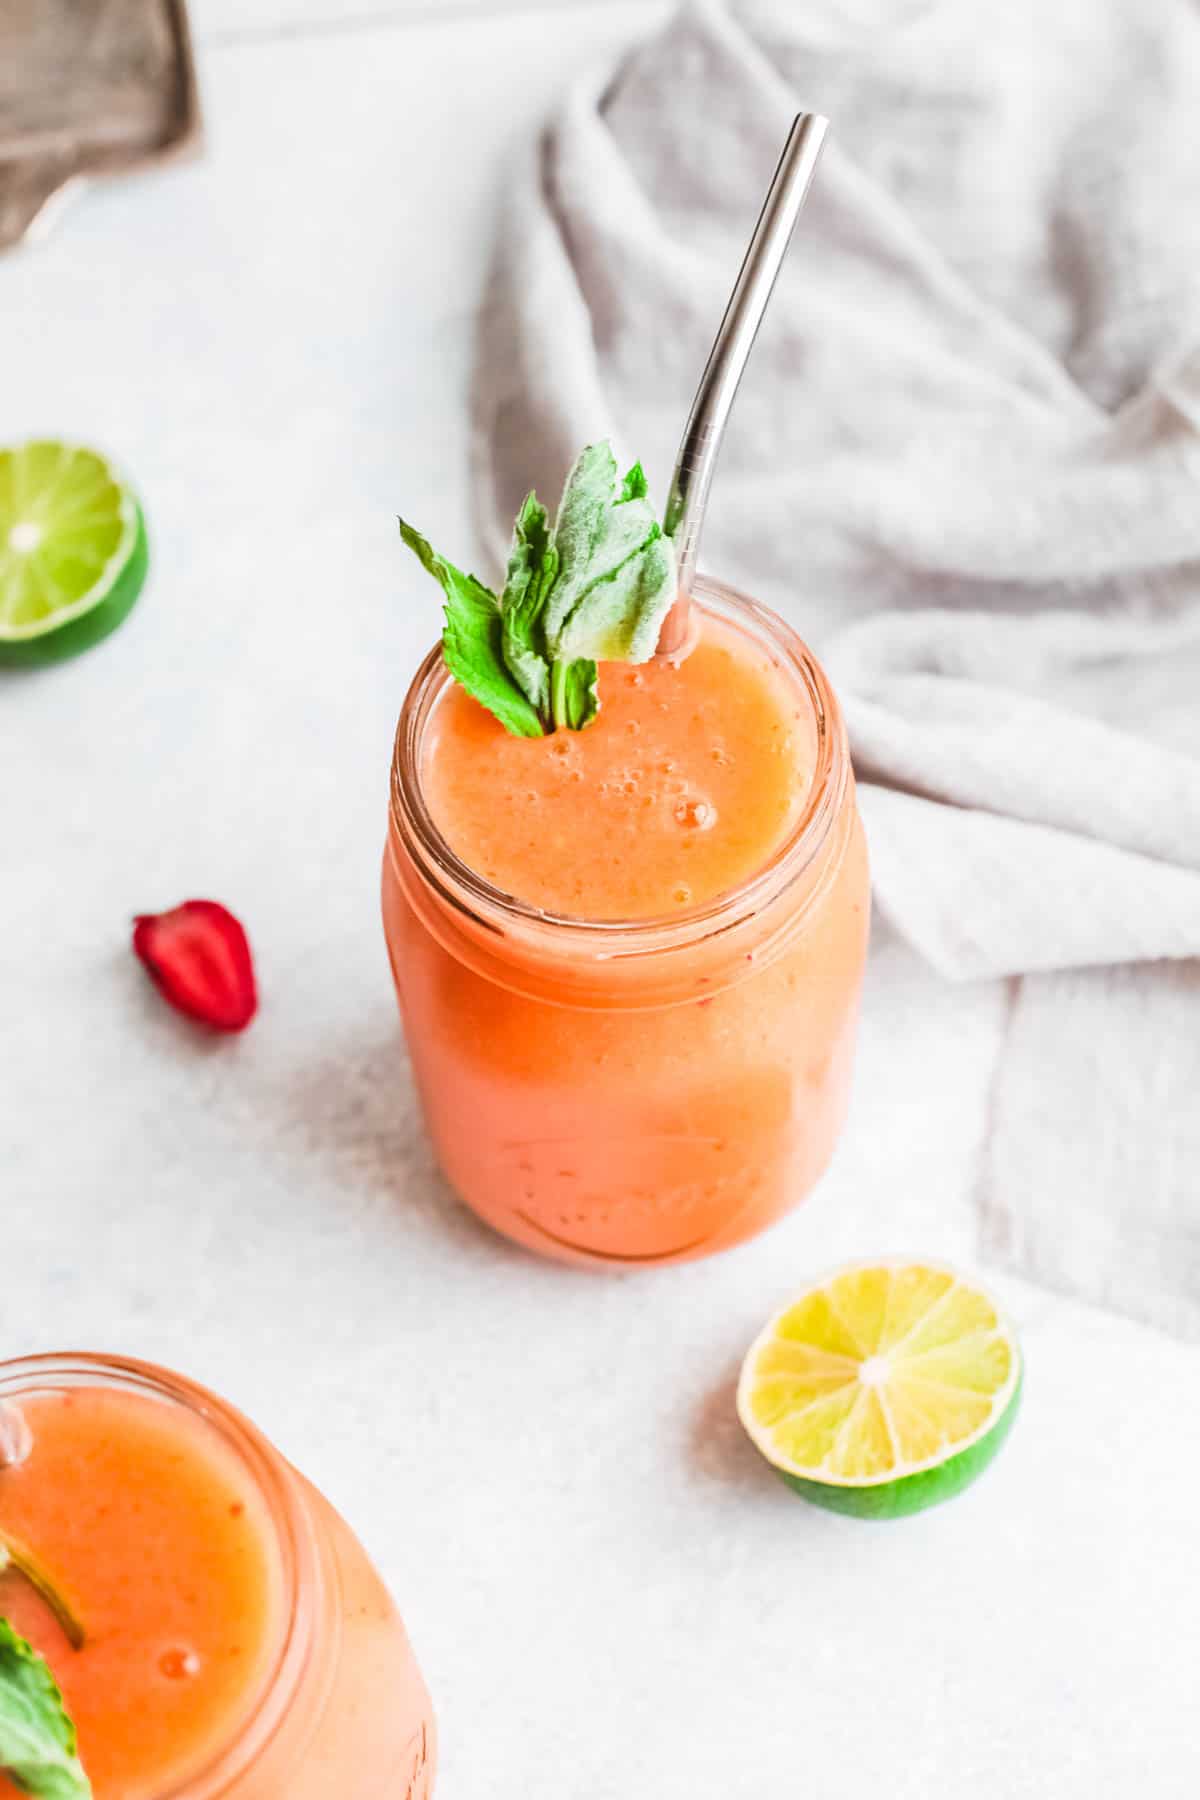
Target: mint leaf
473 641
595 588
616 575
37 1739
574 698
635 485
532 568
619 616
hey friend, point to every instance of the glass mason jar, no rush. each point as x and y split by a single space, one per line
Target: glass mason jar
344 1707
638 1091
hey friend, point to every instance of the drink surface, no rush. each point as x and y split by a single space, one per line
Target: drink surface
150 1526
680 790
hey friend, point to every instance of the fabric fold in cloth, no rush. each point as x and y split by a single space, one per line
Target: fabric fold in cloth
965 463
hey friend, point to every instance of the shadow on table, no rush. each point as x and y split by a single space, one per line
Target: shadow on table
356 1112
718 1448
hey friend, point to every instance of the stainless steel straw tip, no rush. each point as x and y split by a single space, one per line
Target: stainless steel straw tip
709 416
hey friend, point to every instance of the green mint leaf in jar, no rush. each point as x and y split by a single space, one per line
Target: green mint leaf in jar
37 1738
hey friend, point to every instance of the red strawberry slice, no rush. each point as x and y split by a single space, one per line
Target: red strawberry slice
199 956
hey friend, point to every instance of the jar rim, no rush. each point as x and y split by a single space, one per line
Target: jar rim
466 891
299 1561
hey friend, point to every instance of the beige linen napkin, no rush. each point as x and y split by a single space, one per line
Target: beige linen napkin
966 464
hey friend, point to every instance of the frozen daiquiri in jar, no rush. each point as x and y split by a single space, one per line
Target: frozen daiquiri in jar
625 895
182 1616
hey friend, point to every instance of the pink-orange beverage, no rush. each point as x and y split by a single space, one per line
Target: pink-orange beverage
236 1641
629 958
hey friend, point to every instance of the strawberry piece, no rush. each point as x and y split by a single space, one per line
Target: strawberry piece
199 956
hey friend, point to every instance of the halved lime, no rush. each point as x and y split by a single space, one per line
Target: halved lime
73 551
885 1389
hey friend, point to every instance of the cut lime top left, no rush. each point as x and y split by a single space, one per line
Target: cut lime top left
73 551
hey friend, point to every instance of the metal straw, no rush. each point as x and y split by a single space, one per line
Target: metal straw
718 385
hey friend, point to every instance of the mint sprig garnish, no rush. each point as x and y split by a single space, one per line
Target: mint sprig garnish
37 1738
595 587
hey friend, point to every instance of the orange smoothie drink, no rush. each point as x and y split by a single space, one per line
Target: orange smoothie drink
233 1638
628 957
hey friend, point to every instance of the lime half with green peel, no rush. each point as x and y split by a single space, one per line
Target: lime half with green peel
73 551
887 1388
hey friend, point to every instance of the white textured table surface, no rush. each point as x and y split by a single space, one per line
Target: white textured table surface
609 1595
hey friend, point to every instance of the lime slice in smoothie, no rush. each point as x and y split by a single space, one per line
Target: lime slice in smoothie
72 551
884 1390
